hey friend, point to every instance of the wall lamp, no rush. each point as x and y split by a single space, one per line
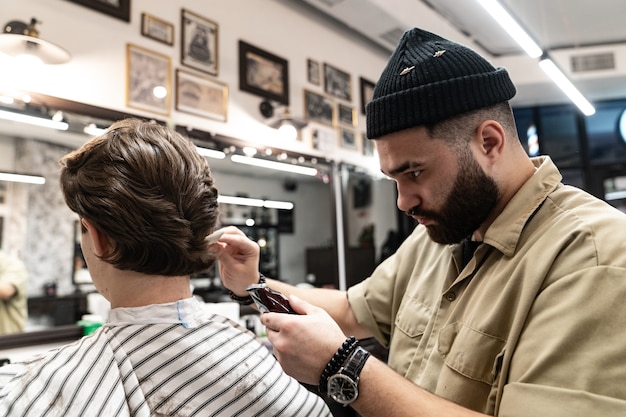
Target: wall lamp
287 125
20 38
524 40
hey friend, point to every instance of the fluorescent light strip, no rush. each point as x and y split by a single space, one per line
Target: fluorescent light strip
210 153
255 202
33 120
282 205
512 27
615 195
29 179
296 169
565 84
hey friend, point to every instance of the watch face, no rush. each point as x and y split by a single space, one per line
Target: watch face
342 389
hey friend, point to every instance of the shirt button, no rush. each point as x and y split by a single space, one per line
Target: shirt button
450 296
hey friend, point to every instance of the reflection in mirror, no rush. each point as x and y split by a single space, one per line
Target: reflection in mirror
39 228
369 217
371 221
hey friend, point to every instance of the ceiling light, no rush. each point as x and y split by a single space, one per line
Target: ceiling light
210 153
512 27
33 120
264 163
29 179
19 39
566 85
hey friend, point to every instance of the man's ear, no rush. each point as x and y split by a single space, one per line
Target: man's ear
99 240
492 138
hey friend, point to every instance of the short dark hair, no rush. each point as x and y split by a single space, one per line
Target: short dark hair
460 128
148 190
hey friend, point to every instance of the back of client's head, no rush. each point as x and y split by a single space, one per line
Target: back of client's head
147 189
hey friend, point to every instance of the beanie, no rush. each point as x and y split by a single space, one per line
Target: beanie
429 79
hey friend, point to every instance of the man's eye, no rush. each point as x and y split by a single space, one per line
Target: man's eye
415 174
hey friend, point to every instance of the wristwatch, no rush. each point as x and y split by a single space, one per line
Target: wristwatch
343 387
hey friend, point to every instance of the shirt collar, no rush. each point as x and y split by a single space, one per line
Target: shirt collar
505 231
188 312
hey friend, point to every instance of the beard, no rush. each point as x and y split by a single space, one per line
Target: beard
473 196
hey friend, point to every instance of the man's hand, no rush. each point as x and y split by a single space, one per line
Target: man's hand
238 259
303 344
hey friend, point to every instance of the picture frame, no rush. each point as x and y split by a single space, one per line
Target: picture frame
119 9
346 115
313 72
148 72
157 29
323 138
263 73
199 42
366 88
319 108
201 96
348 139
337 83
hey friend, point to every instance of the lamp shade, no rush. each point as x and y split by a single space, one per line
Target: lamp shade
19 38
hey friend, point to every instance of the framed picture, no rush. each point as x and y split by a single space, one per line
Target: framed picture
337 83
346 115
201 96
323 138
148 76
157 29
313 71
348 139
367 91
119 9
318 108
263 73
199 41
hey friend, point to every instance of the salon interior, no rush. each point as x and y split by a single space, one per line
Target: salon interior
272 92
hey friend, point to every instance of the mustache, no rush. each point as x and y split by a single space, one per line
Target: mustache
416 211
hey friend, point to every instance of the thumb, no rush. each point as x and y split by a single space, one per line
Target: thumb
300 306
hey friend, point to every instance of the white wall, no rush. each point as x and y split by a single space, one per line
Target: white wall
97 72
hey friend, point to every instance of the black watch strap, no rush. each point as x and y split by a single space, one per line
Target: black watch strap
355 363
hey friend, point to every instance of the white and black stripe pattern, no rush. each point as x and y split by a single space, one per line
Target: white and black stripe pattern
159 369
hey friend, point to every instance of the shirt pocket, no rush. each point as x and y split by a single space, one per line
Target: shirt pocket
470 352
412 318
410 324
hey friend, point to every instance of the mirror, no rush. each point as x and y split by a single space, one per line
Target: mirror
371 221
39 228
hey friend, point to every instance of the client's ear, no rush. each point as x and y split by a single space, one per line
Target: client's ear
99 240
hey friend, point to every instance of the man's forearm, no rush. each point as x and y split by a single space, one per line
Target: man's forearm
383 392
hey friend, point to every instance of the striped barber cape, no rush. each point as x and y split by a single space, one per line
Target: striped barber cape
172 359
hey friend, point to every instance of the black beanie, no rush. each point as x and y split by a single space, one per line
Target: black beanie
429 79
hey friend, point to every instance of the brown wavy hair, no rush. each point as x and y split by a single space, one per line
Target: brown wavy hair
147 189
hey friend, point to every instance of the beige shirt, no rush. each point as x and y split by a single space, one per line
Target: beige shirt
532 326
13 311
